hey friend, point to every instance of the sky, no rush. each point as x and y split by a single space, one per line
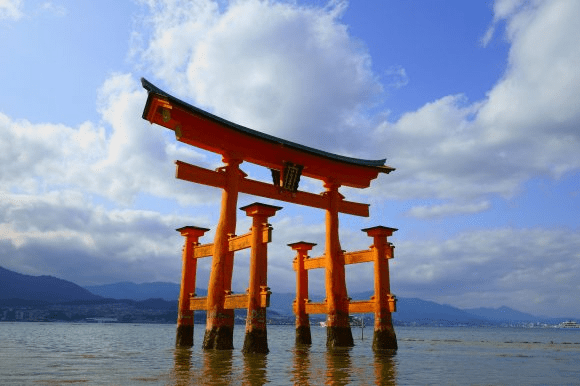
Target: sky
476 104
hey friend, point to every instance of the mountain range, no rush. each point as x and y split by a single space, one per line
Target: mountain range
144 291
16 288
50 289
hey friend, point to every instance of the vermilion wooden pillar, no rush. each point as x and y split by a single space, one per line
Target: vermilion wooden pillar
256 339
287 161
220 322
338 332
384 334
303 335
184 336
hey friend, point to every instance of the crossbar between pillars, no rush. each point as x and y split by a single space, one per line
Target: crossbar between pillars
382 303
255 300
184 335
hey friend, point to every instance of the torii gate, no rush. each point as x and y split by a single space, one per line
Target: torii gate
287 161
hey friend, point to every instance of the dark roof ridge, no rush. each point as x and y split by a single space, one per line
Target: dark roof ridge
151 88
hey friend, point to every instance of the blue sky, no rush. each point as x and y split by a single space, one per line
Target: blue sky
475 103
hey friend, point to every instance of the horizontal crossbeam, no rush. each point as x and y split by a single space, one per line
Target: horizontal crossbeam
349 258
361 307
236 243
192 173
232 302
201 129
354 307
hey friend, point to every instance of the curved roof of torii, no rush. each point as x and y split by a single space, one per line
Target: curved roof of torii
201 129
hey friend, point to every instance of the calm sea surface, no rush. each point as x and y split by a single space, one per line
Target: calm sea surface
133 354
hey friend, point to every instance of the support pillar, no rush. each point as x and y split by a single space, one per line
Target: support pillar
256 339
338 332
184 336
219 331
303 335
384 335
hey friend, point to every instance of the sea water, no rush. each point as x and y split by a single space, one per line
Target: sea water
144 354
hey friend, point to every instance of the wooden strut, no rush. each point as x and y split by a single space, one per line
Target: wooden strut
338 332
192 173
184 335
382 303
287 161
220 321
256 339
258 294
303 335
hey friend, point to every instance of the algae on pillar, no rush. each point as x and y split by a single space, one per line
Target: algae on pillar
184 335
384 334
338 332
303 335
219 333
256 339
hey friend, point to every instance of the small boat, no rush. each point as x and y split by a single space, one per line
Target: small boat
568 324
322 324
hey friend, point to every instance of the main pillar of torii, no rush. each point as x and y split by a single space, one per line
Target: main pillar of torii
288 161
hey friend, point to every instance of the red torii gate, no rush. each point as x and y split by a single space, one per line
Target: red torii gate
287 161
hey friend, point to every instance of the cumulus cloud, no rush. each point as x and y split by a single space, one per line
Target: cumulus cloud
294 71
301 76
53 174
396 77
11 9
53 9
502 9
119 158
61 234
444 210
525 128
283 69
533 270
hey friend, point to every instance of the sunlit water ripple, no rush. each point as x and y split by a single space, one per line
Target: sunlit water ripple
144 354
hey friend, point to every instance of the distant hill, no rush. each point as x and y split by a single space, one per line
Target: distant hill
49 289
409 310
133 291
502 314
282 303
19 289
422 311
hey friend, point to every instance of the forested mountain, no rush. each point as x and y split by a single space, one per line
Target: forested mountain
50 289
24 290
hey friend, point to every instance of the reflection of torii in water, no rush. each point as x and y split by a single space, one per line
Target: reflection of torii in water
287 161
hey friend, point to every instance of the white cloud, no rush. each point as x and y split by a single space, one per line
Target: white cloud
444 210
11 9
396 77
61 234
14 9
279 68
295 72
53 9
503 9
532 270
526 127
119 160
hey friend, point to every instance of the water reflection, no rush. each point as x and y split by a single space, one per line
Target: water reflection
385 369
217 367
339 369
342 367
308 365
181 366
301 365
255 369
